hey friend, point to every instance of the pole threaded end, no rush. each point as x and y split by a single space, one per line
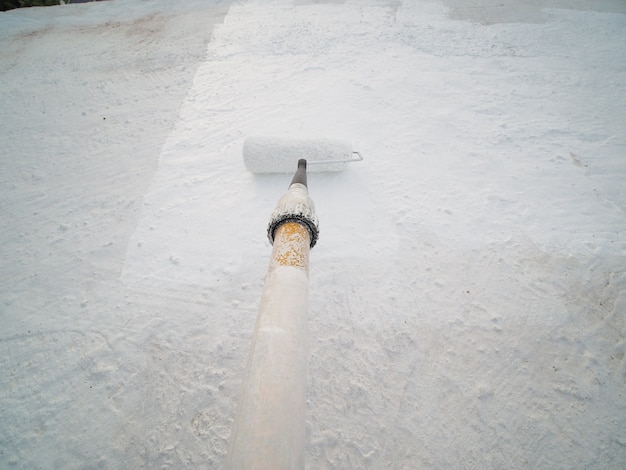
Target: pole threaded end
295 206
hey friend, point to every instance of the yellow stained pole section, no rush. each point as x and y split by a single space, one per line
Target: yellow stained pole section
293 250
269 429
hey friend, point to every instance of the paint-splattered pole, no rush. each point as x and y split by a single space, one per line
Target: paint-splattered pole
269 428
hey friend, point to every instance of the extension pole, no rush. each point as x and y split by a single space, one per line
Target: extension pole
269 428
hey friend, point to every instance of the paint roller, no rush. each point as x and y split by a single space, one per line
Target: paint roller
269 430
279 155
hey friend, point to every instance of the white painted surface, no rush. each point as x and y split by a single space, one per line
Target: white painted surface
468 288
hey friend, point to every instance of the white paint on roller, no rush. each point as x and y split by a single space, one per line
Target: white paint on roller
278 155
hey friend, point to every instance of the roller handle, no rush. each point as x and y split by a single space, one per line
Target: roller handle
300 176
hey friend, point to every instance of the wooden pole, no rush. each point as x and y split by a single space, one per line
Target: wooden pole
269 427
